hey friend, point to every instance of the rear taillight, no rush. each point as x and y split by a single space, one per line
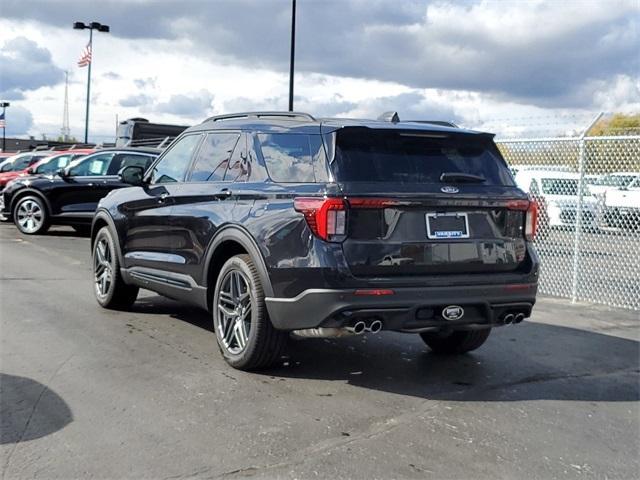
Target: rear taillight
530 207
531 221
326 217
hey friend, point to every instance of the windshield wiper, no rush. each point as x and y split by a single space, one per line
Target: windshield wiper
459 177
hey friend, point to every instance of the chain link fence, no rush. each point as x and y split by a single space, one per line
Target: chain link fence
588 189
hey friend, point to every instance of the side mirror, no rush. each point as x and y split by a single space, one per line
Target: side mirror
30 171
133 175
63 172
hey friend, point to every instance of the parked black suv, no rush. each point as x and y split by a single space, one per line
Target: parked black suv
71 195
281 223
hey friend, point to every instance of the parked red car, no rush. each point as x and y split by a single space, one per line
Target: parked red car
14 166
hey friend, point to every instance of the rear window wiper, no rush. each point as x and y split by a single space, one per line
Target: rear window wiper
460 177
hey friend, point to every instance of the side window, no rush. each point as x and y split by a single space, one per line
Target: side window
95 165
173 166
245 165
288 157
213 158
533 188
22 163
122 160
54 164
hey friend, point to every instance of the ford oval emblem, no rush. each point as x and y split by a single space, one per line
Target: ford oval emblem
453 312
449 189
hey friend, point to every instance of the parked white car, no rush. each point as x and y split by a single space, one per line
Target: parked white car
558 193
621 206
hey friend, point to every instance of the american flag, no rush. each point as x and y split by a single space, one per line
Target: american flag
85 58
3 124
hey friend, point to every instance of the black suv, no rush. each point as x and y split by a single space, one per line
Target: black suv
281 223
71 195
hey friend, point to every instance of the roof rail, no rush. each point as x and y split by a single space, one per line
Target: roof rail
234 116
442 123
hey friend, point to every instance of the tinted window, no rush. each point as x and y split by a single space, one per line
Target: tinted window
122 160
93 165
213 158
366 155
54 164
173 166
24 162
288 157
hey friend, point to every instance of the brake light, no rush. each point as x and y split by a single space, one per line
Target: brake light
531 221
326 217
530 207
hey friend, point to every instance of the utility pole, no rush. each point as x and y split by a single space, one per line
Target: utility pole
293 53
65 130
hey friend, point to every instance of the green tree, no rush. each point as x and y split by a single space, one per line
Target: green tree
617 124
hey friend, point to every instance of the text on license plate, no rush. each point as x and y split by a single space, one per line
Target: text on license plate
447 225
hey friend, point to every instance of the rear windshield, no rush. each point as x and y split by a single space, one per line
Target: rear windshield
366 155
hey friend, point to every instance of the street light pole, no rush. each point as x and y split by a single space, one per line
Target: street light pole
86 112
91 27
4 106
293 51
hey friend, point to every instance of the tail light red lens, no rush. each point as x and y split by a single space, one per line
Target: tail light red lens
531 221
326 217
531 215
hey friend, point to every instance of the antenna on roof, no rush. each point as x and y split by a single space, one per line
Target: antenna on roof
389 117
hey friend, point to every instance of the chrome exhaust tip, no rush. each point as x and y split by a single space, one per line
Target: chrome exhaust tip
358 328
518 318
508 319
375 326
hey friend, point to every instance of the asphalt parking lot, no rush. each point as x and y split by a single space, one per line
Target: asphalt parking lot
90 393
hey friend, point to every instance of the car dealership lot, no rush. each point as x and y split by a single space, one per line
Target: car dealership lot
88 392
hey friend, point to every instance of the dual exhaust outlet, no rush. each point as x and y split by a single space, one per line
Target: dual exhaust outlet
511 318
358 328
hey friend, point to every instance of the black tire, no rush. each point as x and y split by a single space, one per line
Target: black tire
117 295
31 225
456 342
263 344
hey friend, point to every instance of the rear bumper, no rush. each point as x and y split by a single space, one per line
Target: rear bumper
408 309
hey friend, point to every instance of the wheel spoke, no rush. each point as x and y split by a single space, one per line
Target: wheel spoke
226 311
240 333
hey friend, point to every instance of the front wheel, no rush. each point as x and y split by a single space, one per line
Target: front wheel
30 216
108 285
455 342
246 337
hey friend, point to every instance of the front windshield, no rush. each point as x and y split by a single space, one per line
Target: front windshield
5 166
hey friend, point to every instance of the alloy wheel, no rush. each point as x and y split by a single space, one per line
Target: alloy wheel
102 269
30 216
234 312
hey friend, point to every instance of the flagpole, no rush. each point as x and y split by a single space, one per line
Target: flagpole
86 116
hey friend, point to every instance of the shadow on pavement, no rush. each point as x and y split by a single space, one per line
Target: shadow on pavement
530 361
29 410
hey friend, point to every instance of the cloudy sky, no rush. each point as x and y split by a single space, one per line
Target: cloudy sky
498 65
